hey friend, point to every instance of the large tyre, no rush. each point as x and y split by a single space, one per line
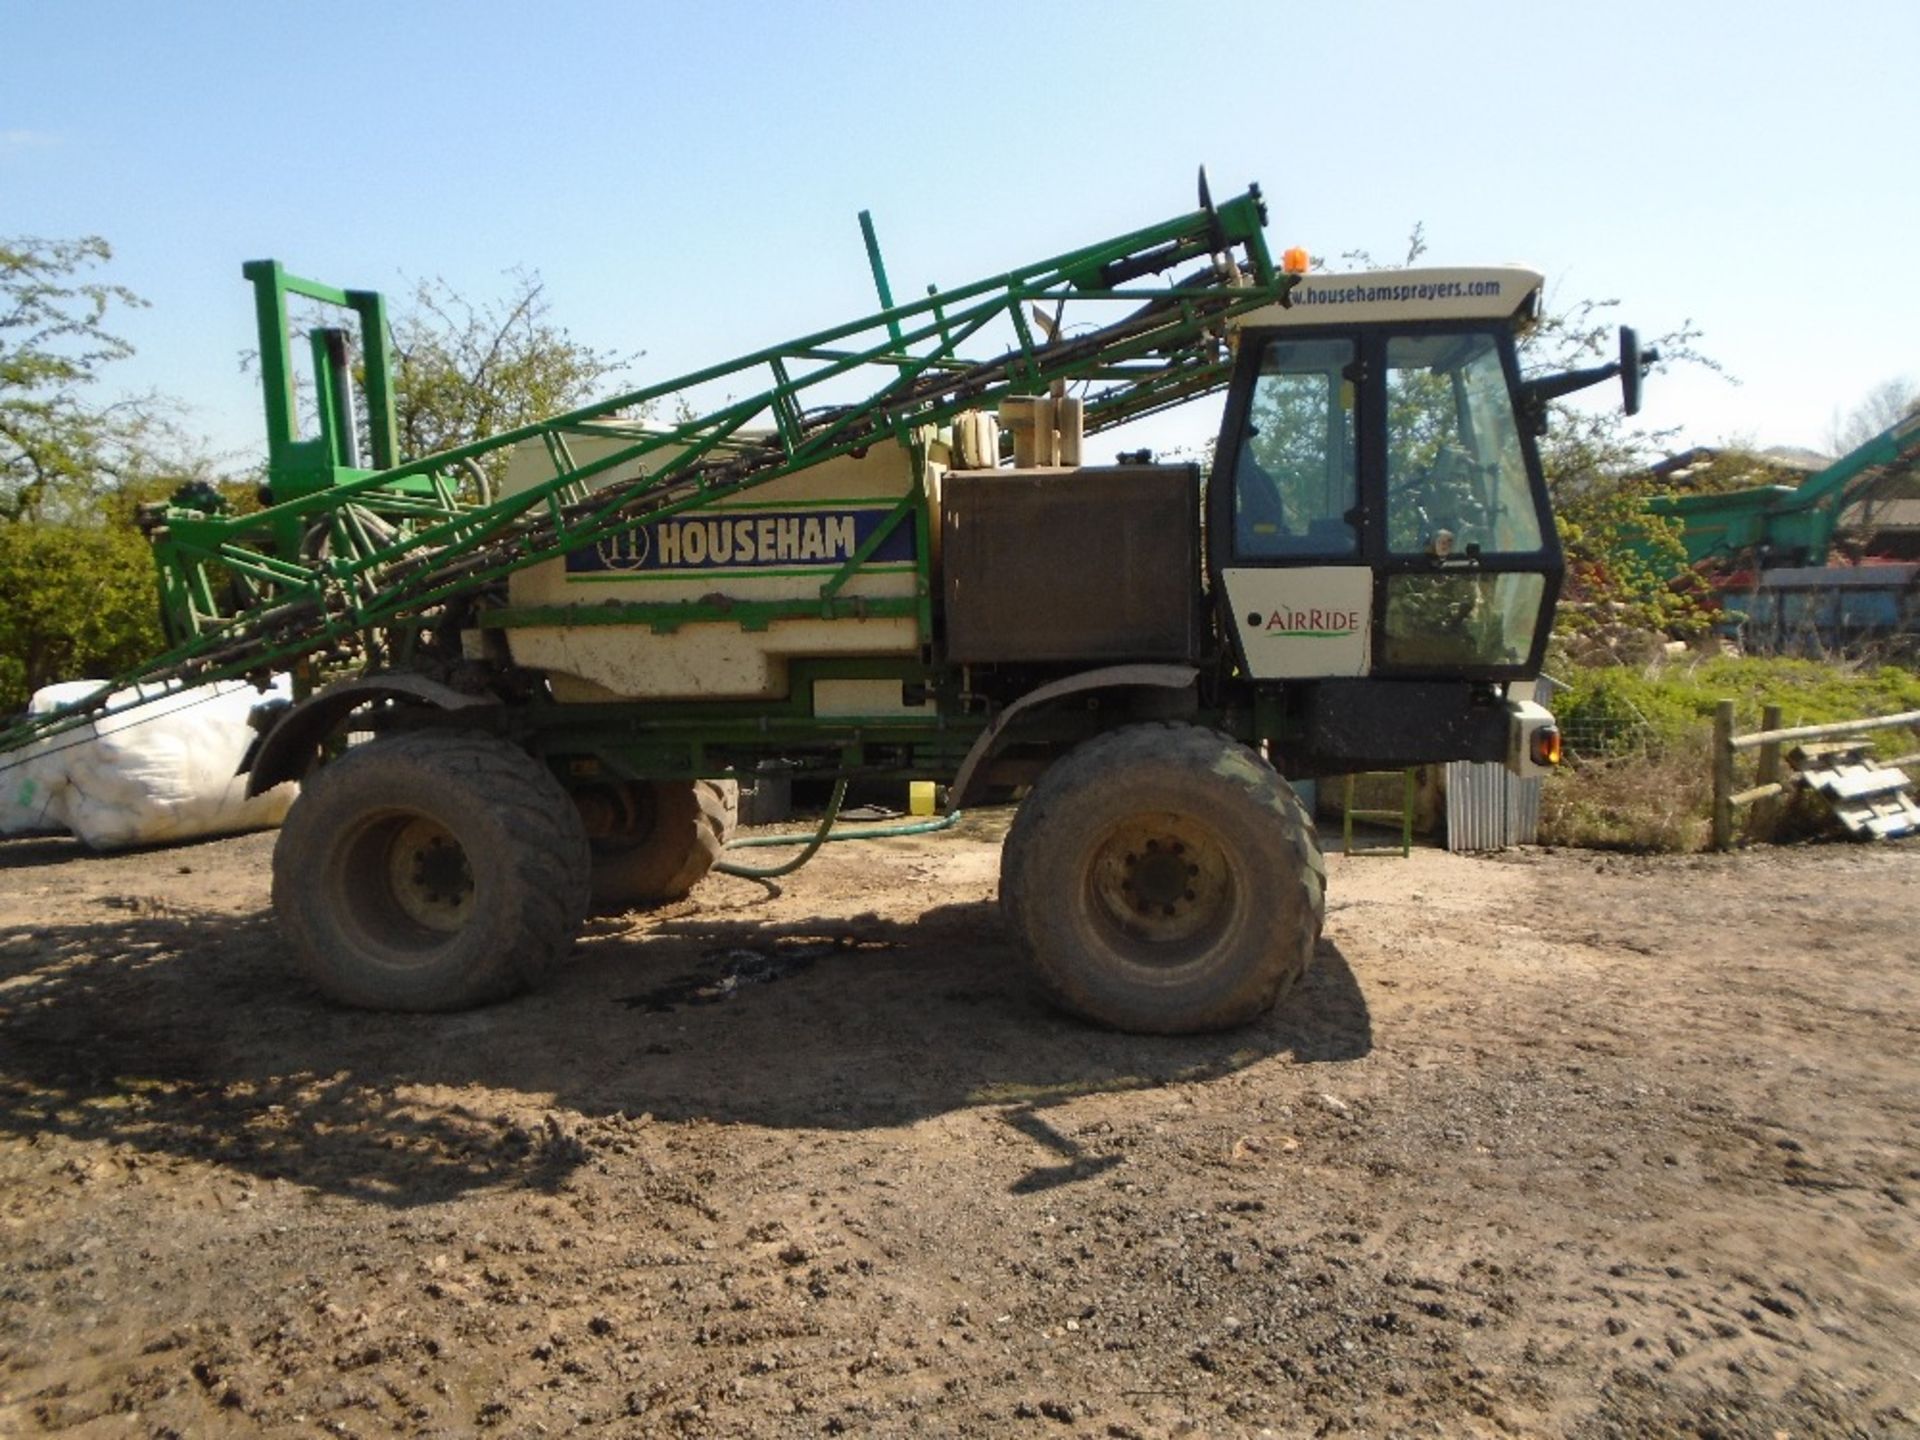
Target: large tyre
430 871
1163 879
669 835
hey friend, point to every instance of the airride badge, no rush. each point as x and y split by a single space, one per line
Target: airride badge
1303 621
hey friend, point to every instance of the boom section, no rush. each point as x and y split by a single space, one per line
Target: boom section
358 564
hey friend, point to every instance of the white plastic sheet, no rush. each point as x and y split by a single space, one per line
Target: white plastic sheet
160 773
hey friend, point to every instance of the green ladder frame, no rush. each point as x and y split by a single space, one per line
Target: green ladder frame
1404 815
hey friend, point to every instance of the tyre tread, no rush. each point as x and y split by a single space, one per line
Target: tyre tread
548 863
671 863
1105 760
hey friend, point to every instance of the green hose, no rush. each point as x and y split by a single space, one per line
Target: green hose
820 837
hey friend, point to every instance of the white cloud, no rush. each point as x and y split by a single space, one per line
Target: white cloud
14 142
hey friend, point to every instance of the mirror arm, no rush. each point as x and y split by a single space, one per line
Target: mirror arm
1536 395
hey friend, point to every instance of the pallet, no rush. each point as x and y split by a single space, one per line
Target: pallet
1869 799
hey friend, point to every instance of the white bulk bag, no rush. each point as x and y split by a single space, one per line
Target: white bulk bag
162 772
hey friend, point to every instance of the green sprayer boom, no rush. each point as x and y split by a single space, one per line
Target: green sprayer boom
353 566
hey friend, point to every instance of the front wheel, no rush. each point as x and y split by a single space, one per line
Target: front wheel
430 871
1164 879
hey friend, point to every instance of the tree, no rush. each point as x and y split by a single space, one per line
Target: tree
1621 561
463 371
1885 405
56 448
77 588
76 583
77 601
1584 444
1626 568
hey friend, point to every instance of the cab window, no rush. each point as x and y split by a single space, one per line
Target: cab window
1441 621
1456 476
1295 491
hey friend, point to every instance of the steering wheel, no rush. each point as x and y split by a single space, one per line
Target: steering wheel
1444 494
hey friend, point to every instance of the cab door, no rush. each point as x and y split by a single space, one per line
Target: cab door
1287 531
1468 557
1383 513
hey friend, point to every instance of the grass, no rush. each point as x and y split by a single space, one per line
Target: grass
1655 800
1639 773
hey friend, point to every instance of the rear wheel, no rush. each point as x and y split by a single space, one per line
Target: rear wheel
653 841
430 871
1164 879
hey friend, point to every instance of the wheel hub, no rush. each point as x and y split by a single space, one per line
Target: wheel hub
1163 879
1159 877
618 817
430 876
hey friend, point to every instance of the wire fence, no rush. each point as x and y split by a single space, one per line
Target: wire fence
1600 734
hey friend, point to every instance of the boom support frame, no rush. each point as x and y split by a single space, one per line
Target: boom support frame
361 562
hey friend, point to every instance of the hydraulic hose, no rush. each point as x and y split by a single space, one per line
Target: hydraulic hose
824 835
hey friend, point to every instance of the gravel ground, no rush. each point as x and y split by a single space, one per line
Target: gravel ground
1552 1144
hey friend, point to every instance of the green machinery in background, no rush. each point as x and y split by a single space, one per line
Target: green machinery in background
1772 526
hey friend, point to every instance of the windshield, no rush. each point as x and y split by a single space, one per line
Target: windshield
1456 475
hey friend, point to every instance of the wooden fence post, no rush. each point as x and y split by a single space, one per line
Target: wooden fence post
1767 773
1723 775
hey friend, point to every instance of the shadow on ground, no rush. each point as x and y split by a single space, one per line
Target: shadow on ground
183 1034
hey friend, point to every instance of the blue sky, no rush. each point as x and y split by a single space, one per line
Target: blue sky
686 179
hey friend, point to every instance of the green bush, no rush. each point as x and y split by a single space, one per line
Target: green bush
1634 708
1638 775
76 602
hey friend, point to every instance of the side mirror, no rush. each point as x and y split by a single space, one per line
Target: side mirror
1633 365
1535 394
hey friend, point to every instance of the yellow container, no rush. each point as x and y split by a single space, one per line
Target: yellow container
920 797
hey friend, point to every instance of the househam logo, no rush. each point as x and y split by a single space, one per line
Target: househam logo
1310 624
755 541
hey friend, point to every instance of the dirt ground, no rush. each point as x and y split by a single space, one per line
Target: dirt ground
1554 1144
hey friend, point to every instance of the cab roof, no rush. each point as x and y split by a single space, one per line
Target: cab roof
1491 292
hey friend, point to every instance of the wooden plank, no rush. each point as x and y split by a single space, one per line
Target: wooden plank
1882 818
1822 732
1766 792
1890 827
1857 782
1808 756
1857 818
1867 798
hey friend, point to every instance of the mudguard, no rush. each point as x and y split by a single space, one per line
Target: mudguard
1109 677
289 749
